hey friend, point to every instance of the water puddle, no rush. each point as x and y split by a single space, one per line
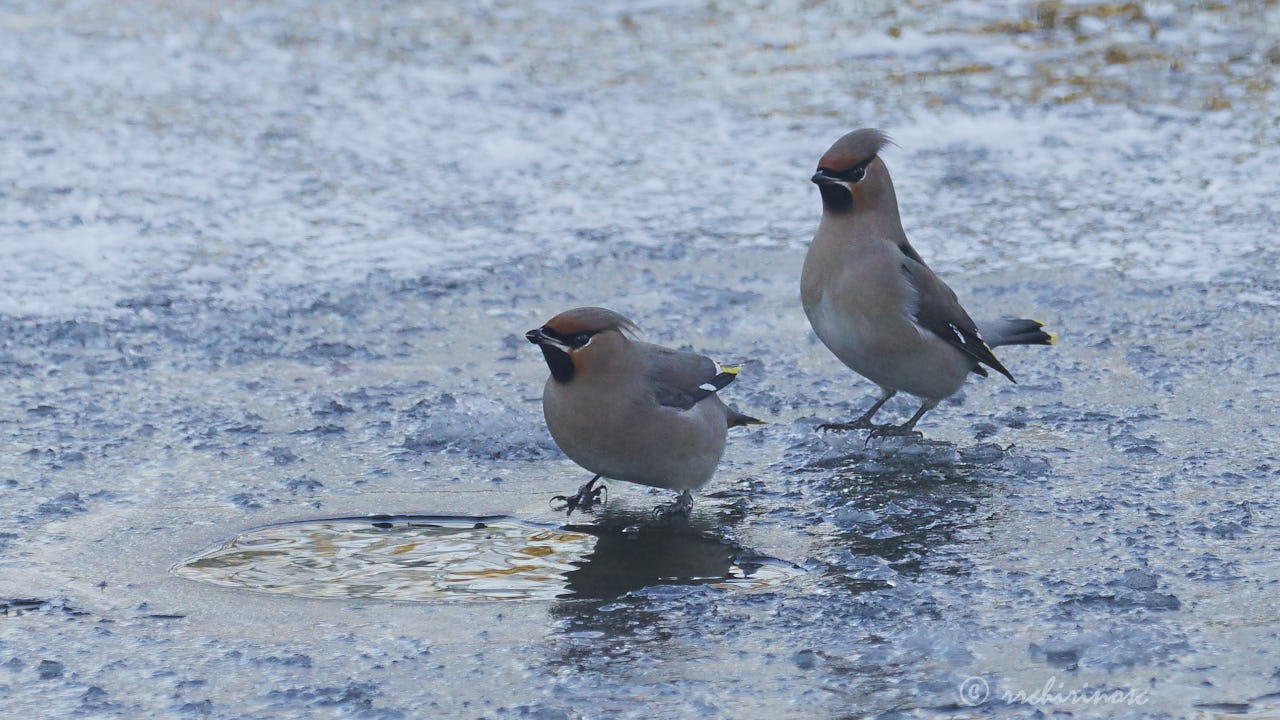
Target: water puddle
434 558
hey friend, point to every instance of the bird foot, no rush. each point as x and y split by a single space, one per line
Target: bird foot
585 499
859 424
893 431
682 506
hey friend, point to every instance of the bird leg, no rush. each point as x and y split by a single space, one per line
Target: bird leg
586 497
907 428
864 422
682 507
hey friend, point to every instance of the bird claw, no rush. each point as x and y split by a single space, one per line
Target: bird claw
859 424
585 499
682 507
893 431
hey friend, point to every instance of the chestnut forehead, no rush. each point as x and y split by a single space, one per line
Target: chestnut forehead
568 323
841 158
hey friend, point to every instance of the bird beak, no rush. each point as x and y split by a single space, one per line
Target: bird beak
820 178
537 337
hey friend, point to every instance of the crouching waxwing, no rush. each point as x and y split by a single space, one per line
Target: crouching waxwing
628 410
874 302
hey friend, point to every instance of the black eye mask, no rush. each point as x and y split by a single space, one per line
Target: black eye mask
573 340
853 174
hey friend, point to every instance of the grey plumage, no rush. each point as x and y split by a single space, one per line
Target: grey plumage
937 310
681 379
630 410
876 304
1016 331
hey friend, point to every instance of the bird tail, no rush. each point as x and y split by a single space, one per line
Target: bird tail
737 419
1016 331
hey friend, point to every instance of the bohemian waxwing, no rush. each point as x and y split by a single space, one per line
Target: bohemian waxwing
629 410
874 302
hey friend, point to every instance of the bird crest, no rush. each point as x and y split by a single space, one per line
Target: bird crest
590 319
855 148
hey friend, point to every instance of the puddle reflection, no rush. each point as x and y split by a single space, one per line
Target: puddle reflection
434 558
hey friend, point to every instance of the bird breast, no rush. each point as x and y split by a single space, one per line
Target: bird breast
861 307
632 438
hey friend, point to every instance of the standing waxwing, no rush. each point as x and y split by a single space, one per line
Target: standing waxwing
874 302
628 410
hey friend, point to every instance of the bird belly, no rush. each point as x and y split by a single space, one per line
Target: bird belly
641 443
890 351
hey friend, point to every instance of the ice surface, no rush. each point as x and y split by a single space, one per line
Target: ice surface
270 262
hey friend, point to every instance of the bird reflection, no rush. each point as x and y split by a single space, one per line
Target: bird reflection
633 551
907 508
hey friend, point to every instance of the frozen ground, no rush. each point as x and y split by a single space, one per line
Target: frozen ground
265 263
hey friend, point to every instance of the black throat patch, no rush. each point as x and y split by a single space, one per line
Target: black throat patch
836 198
560 363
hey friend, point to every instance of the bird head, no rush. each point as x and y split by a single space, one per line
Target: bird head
851 170
575 338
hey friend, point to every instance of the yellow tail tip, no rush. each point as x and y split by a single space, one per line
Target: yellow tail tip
1053 338
731 369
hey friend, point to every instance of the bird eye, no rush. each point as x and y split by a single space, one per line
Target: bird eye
857 173
579 339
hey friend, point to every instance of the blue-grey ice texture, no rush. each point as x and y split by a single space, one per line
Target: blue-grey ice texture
270 261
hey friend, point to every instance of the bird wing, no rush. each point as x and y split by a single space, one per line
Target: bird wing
938 311
680 379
